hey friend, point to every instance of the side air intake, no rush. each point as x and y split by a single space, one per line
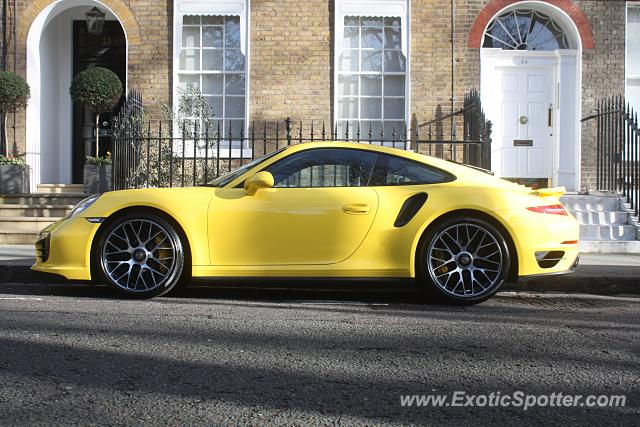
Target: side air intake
409 209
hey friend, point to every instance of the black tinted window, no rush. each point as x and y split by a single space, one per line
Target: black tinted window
391 170
324 167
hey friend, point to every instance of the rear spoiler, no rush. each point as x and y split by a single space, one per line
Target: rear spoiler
547 192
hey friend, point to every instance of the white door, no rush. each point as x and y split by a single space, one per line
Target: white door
523 133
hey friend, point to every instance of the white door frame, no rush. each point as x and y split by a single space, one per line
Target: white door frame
35 68
566 133
567 140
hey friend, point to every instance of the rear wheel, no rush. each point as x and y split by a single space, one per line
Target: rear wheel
463 261
141 256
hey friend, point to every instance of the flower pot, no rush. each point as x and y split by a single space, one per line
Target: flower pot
97 178
14 179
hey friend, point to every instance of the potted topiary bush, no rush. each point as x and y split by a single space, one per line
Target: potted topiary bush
99 89
14 172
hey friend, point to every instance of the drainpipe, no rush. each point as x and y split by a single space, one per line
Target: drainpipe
3 64
4 35
15 58
453 70
15 39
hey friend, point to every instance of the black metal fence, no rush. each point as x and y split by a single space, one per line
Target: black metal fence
126 142
617 134
161 154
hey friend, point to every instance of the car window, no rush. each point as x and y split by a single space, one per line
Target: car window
223 180
392 170
324 167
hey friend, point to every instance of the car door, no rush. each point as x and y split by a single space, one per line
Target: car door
318 212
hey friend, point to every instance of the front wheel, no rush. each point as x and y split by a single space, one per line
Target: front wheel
463 261
140 256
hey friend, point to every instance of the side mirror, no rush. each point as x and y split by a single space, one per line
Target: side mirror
258 181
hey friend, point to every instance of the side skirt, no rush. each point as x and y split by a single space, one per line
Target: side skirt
305 282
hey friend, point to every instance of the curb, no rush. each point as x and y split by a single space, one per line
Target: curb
587 279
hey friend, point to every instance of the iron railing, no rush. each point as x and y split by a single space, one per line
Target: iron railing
617 134
126 129
159 154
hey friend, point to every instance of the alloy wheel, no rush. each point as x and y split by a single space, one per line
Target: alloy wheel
139 255
465 260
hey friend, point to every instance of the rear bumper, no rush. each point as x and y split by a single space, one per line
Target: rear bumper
556 273
545 244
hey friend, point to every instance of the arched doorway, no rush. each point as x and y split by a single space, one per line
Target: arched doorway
59 47
531 91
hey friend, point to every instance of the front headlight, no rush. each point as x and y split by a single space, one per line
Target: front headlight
84 204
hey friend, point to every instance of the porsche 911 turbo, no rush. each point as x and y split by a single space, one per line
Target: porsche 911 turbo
324 210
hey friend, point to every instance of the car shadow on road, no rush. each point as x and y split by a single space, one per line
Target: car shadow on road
388 293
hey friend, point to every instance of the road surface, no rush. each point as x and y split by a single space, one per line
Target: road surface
77 355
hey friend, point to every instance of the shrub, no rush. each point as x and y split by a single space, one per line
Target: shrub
10 160
14 94
98 89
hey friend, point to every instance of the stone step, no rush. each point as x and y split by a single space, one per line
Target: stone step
60 188
607 232
18 237
601 217
44 211
34 224
591 203
610 247
42 199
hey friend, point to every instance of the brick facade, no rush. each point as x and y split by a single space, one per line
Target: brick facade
602 71
291 55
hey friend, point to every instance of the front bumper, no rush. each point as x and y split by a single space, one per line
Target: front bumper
64 248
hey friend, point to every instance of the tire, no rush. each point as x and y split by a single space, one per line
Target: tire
140 255
462 261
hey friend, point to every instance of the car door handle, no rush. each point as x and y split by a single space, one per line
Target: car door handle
356 208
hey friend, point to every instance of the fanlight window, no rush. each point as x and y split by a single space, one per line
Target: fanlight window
525 30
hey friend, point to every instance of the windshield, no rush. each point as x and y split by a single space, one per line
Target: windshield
223 180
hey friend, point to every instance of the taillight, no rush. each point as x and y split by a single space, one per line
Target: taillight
550 209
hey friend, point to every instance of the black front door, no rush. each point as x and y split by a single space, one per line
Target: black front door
108 50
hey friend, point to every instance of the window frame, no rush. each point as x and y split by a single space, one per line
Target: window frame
628 77
380 9
450 176
227 8
306 152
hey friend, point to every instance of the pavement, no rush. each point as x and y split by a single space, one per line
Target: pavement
603 274
73 355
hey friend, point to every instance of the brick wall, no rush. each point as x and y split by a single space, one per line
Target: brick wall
291 57
148 25
602 71
291 60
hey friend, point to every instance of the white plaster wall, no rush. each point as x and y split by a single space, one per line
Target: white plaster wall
56 108
567 154
49 74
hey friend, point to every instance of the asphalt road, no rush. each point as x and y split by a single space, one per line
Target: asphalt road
76 355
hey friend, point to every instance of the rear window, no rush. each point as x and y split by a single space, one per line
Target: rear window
392 170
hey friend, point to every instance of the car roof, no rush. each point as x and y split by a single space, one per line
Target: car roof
397 151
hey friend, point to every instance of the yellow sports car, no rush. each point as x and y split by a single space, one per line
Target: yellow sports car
321 210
